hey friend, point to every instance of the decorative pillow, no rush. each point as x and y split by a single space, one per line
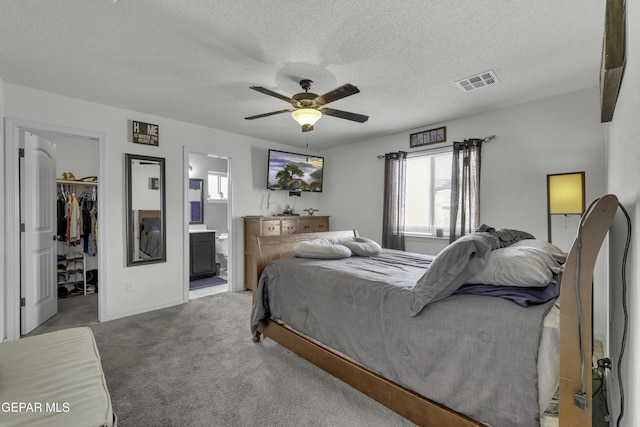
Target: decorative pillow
506 236
451 268
555 251
321 251
362 246
517 266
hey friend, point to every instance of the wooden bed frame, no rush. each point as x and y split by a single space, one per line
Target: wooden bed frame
425 412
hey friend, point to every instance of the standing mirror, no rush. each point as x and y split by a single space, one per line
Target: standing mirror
195 201
145 209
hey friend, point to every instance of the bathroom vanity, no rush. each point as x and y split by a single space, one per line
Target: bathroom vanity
202 253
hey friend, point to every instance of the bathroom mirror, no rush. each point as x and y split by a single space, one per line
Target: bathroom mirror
145 202
195 200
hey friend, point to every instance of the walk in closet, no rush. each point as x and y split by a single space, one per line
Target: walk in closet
77 236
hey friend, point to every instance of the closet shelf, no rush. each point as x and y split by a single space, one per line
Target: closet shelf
78 183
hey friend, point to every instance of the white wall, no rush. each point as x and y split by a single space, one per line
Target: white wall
624 182
2 207
559 134
156 285
554 135
80 156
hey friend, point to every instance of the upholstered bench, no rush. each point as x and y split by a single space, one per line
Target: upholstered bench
54 379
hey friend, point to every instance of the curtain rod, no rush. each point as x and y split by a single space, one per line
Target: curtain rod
486 139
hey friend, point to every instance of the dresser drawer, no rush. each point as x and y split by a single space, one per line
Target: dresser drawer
271 228
314 225
289 226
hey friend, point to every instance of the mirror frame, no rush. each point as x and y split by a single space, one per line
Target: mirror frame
201 212
130 235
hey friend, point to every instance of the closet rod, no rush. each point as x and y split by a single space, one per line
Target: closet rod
78 183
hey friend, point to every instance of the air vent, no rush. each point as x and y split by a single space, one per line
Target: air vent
487 78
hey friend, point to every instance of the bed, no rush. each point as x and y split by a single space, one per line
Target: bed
54 379
428 385
150 238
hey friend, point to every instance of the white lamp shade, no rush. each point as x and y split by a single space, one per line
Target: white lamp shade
566 193
306 116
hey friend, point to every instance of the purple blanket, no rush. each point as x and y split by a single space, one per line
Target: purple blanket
521 296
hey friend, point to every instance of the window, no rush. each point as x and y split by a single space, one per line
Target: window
428 193
218 186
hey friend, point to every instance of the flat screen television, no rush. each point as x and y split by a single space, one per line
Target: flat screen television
294 172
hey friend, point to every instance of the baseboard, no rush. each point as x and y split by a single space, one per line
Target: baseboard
146 310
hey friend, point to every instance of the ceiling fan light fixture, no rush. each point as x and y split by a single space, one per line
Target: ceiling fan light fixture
306 117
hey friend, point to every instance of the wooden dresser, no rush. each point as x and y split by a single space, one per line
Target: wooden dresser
275 226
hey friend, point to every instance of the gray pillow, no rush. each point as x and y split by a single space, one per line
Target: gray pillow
555 251
332 240
362 246
520 266
507 236
449 271
321 251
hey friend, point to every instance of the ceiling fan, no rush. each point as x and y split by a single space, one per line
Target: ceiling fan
306 105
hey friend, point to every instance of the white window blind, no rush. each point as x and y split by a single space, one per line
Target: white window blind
428 193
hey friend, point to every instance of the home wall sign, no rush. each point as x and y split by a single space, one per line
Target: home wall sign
145 133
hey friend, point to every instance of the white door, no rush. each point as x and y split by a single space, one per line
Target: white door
38 249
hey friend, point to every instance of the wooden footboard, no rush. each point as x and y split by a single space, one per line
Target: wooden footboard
596 225
410 405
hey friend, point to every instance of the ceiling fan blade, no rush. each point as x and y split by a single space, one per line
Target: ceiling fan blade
267 114
338 93
360 118
275 94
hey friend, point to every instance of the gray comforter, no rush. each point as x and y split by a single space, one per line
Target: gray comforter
150 243
474 354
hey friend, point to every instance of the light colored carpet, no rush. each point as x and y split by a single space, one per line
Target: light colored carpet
196 365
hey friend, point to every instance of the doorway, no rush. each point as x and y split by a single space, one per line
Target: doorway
14 137
77 177
208 224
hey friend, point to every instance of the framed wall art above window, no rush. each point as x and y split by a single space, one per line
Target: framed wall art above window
426 137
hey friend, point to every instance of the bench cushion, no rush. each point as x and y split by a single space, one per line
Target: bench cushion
53 379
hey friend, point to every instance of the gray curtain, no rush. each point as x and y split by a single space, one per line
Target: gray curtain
465 188
395 167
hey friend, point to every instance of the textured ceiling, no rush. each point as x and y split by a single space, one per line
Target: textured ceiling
195 60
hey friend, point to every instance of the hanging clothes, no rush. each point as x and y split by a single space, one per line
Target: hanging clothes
77 216
87 205
61 224
75 220
94 228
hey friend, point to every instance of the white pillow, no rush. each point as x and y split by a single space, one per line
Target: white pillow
362 246
517 266
557 253
320 251
331 240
